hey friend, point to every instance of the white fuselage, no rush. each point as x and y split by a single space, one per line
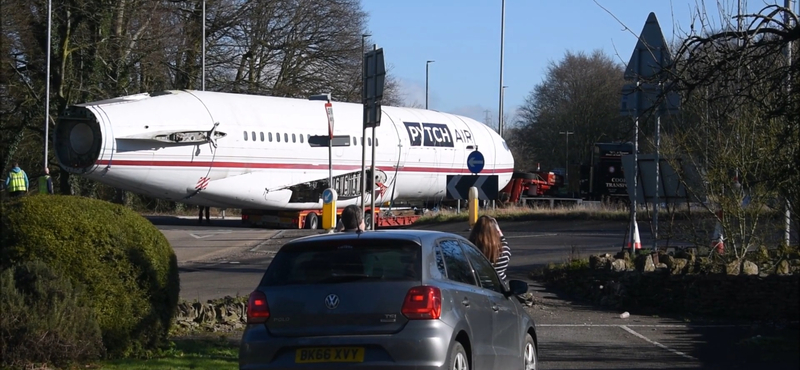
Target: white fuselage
265 148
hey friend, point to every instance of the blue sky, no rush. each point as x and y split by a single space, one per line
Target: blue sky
463 37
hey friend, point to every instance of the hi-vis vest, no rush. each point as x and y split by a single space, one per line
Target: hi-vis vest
43 184
17 182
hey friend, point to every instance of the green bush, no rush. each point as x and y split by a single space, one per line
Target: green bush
126 264
45 319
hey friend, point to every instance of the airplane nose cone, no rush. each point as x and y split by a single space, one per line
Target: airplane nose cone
78 140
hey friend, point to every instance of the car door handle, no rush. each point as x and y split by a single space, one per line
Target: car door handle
465 302
495 307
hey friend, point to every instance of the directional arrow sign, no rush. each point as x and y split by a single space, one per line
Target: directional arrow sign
475 162
458 186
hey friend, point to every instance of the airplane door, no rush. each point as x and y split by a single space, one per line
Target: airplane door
394 144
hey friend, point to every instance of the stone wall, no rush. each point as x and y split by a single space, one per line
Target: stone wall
219 315
684 286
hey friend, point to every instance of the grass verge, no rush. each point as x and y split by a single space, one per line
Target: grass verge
185 353
607 213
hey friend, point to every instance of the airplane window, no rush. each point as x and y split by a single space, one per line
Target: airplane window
262 136
308 137
301 138
355 141
294 140
376 141
286 138
369 141
277 137
245 136
270 136
254 136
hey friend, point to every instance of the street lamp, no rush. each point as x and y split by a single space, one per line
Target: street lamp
502 45
428 63
502 121
566 168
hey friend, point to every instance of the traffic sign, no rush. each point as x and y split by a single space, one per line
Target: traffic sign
328 195
475 162
329 112
372 92
458 186
651 56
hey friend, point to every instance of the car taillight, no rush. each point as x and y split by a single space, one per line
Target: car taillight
423 302
257 308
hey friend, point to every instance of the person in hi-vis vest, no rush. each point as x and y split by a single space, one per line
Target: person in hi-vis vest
46 182
17 181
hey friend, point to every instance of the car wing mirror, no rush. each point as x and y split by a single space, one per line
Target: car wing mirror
517 287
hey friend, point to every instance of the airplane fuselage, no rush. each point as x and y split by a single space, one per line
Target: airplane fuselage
248 151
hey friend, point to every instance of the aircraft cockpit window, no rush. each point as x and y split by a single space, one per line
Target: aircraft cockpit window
254 135
245 136
262 136
269 136
286 137
277 137
294 138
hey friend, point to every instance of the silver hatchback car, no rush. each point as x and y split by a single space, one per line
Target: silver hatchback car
403 299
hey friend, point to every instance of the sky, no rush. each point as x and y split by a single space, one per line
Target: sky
462 37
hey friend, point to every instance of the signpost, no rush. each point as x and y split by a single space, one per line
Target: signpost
648 67
372 93
329 112
329 197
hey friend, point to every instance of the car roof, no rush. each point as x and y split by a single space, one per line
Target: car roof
418 236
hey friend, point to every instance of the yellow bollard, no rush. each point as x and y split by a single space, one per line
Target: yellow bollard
329 197
473 206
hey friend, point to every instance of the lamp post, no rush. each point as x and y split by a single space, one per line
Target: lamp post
428 63
502 44
566 167
363 133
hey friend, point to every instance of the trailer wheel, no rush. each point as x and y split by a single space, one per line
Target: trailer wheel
368 220
311 221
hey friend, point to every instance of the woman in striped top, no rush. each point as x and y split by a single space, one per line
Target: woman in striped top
487 236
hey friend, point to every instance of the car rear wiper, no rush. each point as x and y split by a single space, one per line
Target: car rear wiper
341 278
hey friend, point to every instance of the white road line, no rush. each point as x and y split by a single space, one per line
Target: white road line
679 353
644 325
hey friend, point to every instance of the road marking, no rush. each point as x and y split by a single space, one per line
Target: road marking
645 325
629 330
259 245
206 234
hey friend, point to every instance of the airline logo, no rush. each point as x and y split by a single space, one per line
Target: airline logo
435 134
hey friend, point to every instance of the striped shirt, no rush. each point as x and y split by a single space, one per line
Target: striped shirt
502 261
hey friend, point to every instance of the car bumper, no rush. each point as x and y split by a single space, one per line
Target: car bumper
422 344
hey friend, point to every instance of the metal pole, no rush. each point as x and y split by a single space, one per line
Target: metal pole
566 165
789 8
502 44
635 169
203 84
47 87
658 160
426 82
372 173
363 131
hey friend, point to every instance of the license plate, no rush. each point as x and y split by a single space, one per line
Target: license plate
329 354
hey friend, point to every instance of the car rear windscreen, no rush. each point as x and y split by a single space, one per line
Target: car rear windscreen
344 261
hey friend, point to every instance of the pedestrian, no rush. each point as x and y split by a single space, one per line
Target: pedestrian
46 182
487 236
17 181
352 219
207 210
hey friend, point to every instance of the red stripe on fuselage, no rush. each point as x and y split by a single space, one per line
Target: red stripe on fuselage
288 166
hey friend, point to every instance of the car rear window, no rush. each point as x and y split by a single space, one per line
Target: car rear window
341 261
